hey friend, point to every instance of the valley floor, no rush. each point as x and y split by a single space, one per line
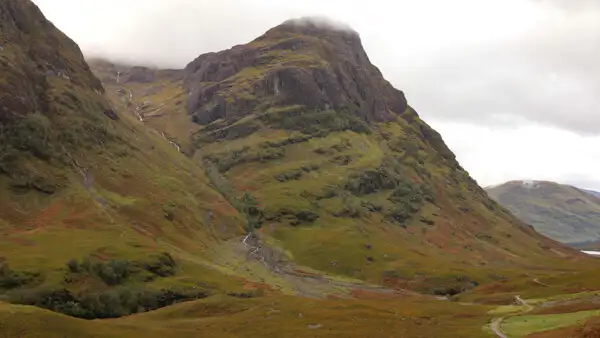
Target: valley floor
273 316
376 314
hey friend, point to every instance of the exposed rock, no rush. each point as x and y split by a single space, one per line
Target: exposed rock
111 114
317 67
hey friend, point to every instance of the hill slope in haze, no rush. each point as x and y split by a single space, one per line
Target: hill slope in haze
595 193
346 177
561 212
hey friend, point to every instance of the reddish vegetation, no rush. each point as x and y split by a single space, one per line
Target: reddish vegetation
19 241
37 222
374 294
254 286
221 206
395 283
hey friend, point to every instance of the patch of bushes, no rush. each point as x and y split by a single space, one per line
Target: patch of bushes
295 174
23 181
226 161
316 123
407 196
408 199
339 147
116 272
349 210
452 285
113 303
370 181
288 141
11 279
298 217
248 205
341 160
372 206
327 193
32 134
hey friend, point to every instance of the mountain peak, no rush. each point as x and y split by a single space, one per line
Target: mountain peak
317 26
310 63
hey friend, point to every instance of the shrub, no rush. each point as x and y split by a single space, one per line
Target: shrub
113 303
10 279
316 123
32 134
248 205
370 181
295 174
117 271
226 161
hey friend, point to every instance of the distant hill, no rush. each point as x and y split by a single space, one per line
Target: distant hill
561 212
595 193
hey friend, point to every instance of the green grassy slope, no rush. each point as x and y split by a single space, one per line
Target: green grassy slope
264 317
561 212
90 198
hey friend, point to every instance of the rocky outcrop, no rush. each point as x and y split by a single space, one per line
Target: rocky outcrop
33 53
50 102
300 62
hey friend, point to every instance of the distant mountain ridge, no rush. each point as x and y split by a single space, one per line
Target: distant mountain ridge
562 212
595 193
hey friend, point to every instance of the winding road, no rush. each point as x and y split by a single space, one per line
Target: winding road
496 325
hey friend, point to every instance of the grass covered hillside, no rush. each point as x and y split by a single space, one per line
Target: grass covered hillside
95 208
561 212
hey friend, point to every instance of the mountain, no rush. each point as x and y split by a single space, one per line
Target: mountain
561 212
345 176
284 167
595 193
92 203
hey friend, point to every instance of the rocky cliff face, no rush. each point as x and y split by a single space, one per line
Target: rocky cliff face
47 95
297 63
35 58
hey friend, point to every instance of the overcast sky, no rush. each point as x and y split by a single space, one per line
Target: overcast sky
513 86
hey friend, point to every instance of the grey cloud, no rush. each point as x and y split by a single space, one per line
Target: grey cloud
551 76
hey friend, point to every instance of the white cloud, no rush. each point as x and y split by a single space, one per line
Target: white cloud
522 152
503 69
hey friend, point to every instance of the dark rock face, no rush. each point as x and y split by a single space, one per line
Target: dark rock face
34 52
50 102
111 114
296 63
